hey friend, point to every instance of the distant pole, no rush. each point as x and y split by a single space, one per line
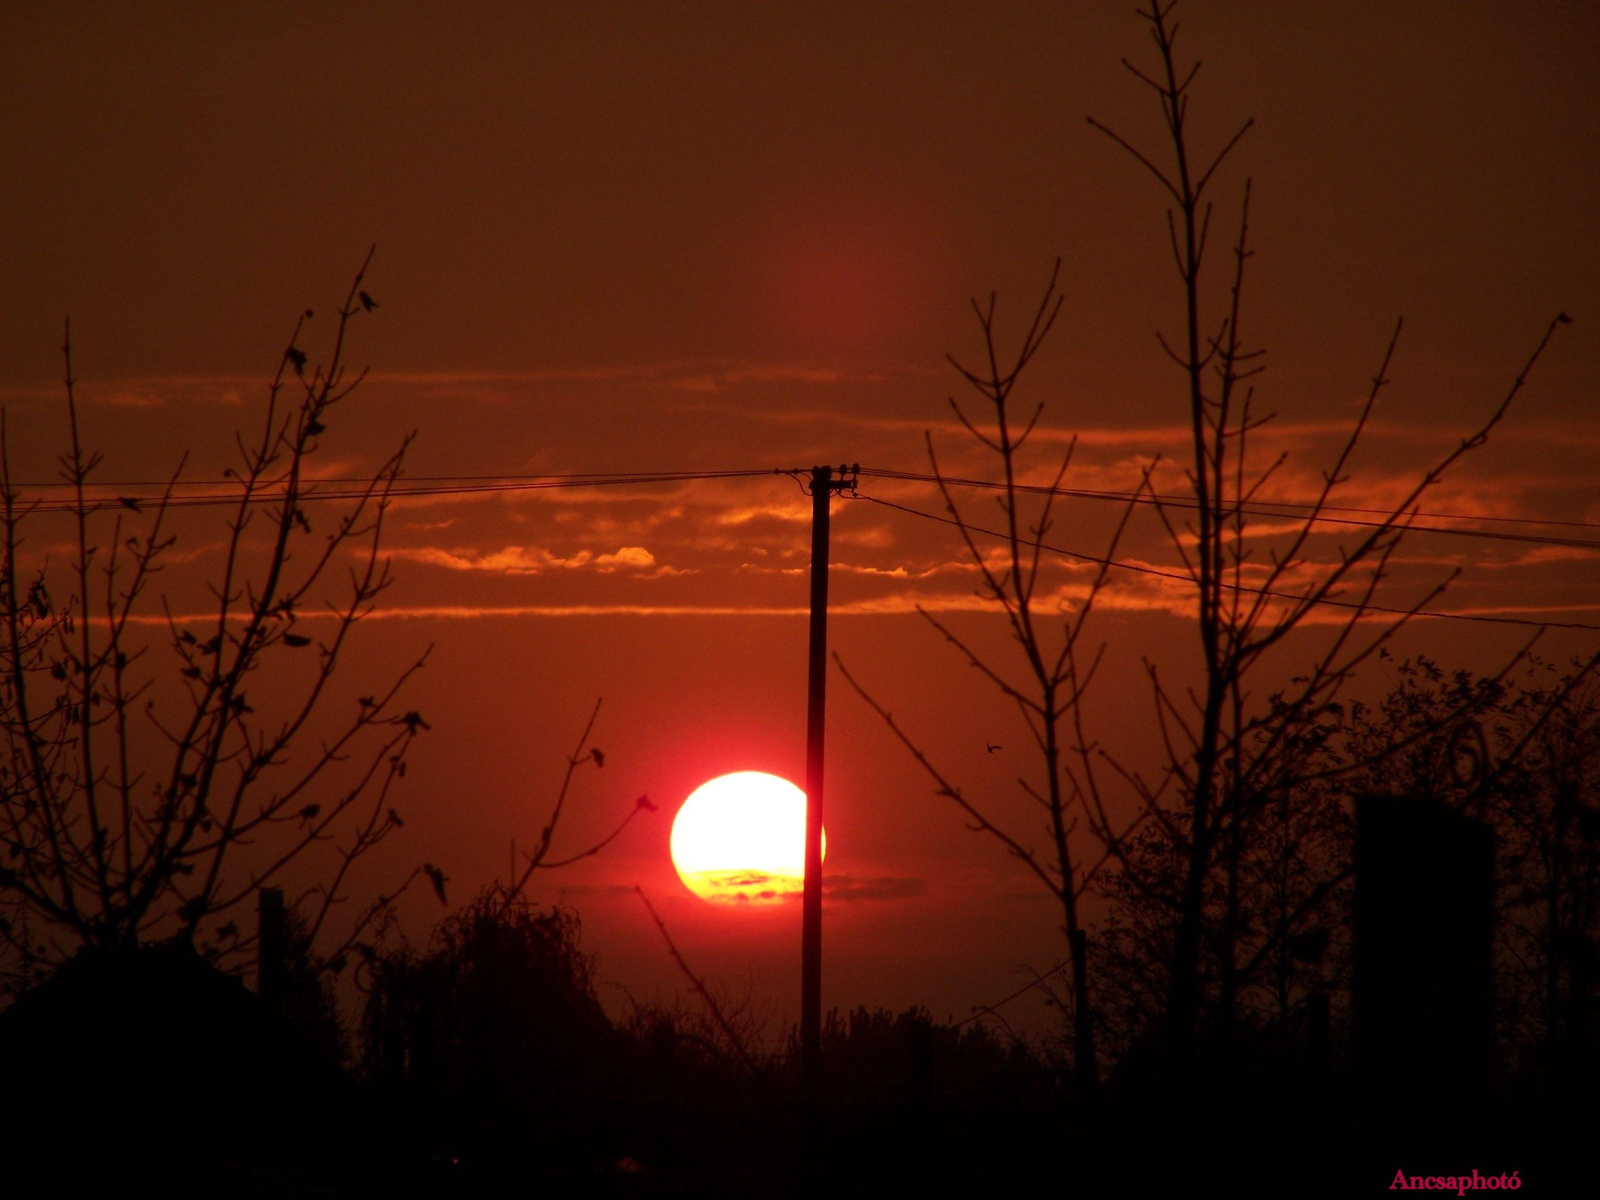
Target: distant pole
271 945
823 486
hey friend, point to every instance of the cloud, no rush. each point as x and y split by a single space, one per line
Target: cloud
126 398
628 556
153 391
482 379
716 380
910 602
885 572
896 605
690 375
696 383
743 514
527 560
596 889
854 888
474 612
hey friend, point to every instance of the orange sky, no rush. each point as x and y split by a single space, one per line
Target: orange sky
630 238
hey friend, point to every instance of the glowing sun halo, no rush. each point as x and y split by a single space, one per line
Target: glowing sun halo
741 839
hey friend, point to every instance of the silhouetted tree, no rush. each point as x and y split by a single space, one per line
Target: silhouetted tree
539 859
1284 905
1548 818
142 794
1045 686
1232 757
1232 845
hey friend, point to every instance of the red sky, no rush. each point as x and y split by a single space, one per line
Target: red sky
699 237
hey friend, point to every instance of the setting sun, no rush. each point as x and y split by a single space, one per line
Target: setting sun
740 839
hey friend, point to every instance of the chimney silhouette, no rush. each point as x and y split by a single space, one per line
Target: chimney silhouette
1422 1008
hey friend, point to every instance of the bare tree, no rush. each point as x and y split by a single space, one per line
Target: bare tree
142 795
538 859
499 976
1249 762
1228 754
1548 814
1047 687
729 1041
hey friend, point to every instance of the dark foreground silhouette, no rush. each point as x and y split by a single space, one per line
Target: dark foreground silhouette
487 1068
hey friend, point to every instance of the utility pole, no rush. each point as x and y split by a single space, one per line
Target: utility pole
271 947
823 487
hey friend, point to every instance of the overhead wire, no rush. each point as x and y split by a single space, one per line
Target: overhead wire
1317 513
457 485
447 485
329 488
1181 577
542 479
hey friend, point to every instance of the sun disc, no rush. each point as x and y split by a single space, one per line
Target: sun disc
741 839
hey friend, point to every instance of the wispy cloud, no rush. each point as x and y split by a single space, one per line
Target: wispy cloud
855 888
683 375
526 560
743 514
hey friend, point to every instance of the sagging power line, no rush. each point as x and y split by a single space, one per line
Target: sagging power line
340 489
349 488
1302 511
468 485
1181 577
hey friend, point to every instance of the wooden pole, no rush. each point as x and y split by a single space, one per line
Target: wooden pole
822 489
271 947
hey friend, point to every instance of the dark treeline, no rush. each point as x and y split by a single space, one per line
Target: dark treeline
481 1064
1281 1077
481 1061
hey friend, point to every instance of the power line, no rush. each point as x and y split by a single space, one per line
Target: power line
446 485
1171 498
1159 572
570 479
491 485
1262 508
352 488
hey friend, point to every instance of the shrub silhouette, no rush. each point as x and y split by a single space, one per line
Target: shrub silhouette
492 1039
149 1064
